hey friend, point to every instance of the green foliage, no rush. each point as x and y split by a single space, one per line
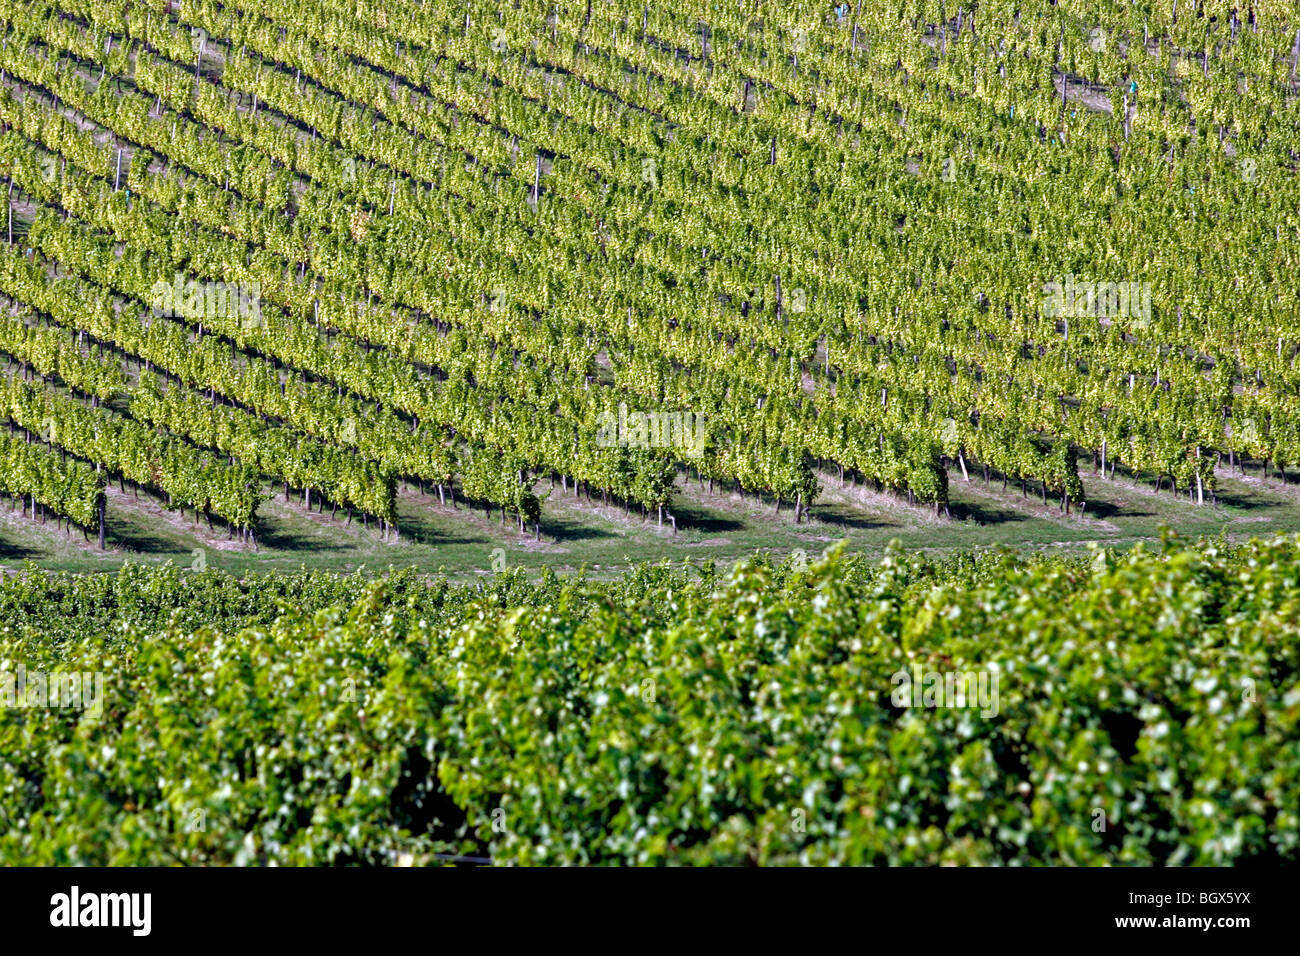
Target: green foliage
842 245
69 488
1146 713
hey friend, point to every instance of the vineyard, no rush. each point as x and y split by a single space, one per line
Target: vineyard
561 308
337 252
727 717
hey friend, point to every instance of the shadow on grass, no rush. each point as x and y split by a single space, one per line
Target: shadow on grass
14 552
270 536
1243 500
1101 510
842 517
565 528
692 518
984 514
420 530
130 537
